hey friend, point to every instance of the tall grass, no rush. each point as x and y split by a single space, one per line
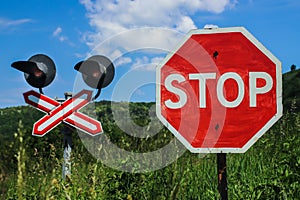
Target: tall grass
268 170
21 162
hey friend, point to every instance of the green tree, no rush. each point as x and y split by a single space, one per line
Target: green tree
293 67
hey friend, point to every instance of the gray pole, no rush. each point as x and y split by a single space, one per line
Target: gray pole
67 131
66 168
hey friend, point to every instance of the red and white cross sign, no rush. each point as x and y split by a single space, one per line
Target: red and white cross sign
66 112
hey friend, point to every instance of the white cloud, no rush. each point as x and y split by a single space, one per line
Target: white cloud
156 60
155 40
125 21
116 16
185 23
62 38
144 63
9 22
123 61
57 33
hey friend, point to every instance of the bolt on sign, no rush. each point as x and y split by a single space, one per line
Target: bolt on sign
219 91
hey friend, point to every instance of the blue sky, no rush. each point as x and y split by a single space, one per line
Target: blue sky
70 31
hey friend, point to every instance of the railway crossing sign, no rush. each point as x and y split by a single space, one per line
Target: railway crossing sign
66 112
219 90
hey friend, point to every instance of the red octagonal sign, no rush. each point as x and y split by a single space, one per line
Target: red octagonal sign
219 91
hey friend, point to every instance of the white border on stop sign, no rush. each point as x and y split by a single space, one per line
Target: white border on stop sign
263 130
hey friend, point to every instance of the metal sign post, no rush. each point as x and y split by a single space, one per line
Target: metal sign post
67 142
222 176
66 167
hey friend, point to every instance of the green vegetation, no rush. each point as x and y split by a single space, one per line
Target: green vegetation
30 167
291 87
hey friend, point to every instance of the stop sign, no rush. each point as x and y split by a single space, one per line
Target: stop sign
219 91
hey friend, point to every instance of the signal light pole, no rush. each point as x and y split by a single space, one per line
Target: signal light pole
67 144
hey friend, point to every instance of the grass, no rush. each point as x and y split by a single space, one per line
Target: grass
268 170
